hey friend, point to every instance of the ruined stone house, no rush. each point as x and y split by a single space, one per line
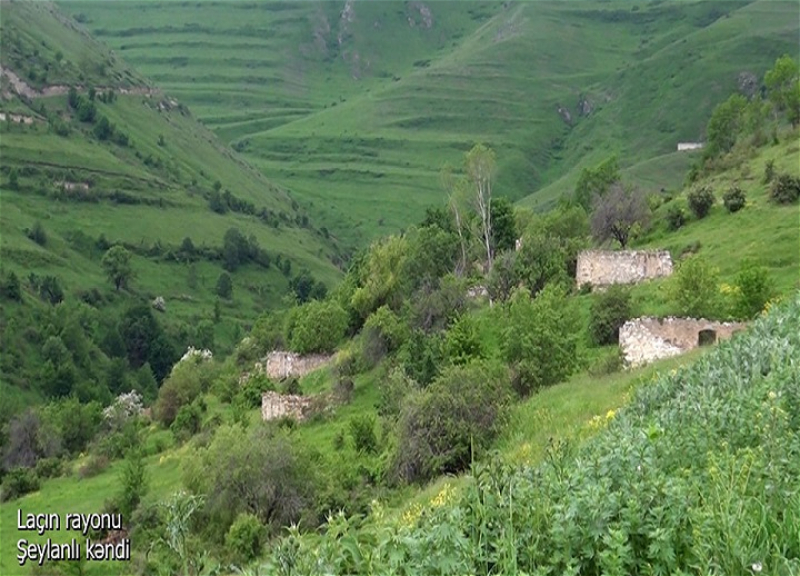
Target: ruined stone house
606 267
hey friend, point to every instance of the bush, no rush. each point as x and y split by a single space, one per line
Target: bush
187 421
462 342
609 311
362 431
540 339
785 189
317 326
700 201
675 217
694 289
459 416
734 199
608 364
18 482
245 537
49 467
754 290
93 466
181 388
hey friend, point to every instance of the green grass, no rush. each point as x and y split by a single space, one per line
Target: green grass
360 140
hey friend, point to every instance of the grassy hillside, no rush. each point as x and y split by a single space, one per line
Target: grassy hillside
318 96
151 189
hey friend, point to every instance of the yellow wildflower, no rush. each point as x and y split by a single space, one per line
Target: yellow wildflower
610 414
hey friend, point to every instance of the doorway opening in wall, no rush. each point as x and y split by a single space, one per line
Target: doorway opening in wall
706 337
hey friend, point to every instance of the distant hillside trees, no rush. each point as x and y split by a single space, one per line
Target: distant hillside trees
783 86
117 264
480 167
224 286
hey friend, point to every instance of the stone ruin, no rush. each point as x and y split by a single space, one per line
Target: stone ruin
279 365
603 267
274 406
644 340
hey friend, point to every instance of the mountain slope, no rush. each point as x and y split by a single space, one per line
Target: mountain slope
118 162
319 97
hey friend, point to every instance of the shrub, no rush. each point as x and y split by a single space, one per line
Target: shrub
608 363
181 388
362 431
734 199
317 326
38 234
785 189
188 420
675 217
609 311
49 467
754 290
462 341
93 466
442 427
18 482
700 201
245 537
694 289
540 338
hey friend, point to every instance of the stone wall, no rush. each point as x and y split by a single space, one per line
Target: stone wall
644 340
274 406
280 364
603 267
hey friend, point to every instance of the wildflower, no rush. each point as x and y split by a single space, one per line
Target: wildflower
772 395
756 567
610 414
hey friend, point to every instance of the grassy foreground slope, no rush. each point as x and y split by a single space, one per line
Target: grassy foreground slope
320 98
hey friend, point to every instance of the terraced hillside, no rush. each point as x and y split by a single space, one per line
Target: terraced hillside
318 95
117 162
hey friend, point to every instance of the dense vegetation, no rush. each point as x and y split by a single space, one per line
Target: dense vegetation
455 341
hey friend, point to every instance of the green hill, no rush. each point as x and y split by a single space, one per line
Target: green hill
317 95
124 163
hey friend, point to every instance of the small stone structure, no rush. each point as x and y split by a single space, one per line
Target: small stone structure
274 406
644 340
684 146
605 267
280 364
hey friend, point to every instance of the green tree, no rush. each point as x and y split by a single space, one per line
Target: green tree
695 289
117 264
133 482
783 87
504 232
540 338
245 537
441 428
609 310
224 287
381 280
317 326
596 181
755 288
11 287
725 124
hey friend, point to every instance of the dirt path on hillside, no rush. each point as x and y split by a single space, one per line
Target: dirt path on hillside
23 89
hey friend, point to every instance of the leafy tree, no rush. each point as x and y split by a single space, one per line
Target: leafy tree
675 217
317 326
180 389
11 288
216 202
245 538
50 290
725 124
700 201
785 189
463 342
422 357
755 288
541 261
265 474
117 264
133 482
103 129
616 214
75 422
432 253
224 287
235 249
694 289
381 279
504 233
504 276
306 288
145 341
362 431
609 310
540 338
458 416
596 181
783 87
